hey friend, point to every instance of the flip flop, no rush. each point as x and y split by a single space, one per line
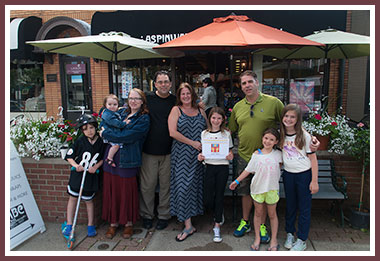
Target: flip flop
255 248
274 248
189 232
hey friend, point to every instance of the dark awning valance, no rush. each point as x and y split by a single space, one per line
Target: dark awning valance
22 30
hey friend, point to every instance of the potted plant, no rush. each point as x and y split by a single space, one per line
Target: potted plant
68 135
333 132
39 138
360 150
320 126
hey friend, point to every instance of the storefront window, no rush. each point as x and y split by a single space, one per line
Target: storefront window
27 88
137 74
294 81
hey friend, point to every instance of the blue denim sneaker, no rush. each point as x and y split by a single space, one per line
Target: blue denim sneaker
264 237
243 228
91 231
66 229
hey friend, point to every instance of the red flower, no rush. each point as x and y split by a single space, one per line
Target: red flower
61 125
334 123
360 125
44 122
69 138
95 114
318 117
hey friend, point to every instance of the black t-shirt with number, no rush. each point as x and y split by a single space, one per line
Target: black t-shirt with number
158 141
85 153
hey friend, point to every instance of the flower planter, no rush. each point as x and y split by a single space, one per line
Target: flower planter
324 140
359 219
63 152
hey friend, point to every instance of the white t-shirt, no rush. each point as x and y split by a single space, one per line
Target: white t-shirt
267 171
296 160
215 136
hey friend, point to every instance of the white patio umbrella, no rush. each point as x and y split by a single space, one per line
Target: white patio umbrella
112 47
338 45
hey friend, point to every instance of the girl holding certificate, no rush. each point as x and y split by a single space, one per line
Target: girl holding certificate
213 139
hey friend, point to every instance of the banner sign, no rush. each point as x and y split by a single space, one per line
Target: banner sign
25 218
126 83
302 93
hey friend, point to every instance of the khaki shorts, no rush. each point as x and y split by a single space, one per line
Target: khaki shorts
270 197
244 187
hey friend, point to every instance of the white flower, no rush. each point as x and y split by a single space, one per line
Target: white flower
37 138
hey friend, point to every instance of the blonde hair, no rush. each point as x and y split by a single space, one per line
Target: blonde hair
110 96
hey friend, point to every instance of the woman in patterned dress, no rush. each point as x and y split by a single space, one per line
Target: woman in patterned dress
186 123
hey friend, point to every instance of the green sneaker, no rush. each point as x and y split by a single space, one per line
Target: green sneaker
243 228
264 237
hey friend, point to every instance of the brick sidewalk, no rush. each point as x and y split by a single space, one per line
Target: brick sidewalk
324 228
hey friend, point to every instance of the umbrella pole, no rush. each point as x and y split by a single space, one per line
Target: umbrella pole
231 82
116 71
325 86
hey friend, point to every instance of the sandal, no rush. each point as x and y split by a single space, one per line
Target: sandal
111 232
111 162
254 248
274 248
188 232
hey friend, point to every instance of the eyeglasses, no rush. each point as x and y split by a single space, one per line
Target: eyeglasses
135 99
163 82
251 112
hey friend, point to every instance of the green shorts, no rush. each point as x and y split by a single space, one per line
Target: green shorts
270 197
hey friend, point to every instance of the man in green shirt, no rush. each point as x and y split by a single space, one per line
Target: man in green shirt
249 118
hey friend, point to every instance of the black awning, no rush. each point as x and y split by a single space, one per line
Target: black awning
161 26
22 30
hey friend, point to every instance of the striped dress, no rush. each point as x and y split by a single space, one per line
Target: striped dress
186 180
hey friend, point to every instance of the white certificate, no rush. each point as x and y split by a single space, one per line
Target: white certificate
215 148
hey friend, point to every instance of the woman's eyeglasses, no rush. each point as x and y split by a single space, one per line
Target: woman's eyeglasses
251 112
135 99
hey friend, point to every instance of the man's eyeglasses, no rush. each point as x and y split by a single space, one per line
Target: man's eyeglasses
163 82
135 99
251 112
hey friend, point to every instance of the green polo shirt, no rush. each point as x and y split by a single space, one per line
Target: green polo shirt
267 113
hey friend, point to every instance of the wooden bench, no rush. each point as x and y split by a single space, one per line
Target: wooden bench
331 186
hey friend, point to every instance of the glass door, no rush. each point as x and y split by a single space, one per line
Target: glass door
76 86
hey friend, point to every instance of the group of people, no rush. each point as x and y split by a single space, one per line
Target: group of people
157 141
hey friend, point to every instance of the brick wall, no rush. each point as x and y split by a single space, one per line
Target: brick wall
48 179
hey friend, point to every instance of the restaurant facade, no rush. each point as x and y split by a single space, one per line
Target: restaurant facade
40 82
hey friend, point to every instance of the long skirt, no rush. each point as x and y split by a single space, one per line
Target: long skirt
120 194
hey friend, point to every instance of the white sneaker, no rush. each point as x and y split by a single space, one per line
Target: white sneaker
300 245
217 237
289 241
